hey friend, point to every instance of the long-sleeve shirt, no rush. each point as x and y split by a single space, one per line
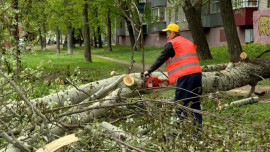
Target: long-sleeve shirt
167 52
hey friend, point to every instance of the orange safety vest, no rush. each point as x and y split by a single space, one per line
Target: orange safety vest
185 60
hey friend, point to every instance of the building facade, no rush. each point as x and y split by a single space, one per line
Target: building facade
162 11
261 23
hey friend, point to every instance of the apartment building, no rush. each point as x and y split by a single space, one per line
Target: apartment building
211 21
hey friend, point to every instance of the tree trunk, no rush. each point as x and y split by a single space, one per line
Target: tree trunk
86 32
131 33
95 40
99 37
69 40
193 15
43 37
125 6
91 41
109 30
234 45
81 37
57 39
73 38
16 39
3 50
40 38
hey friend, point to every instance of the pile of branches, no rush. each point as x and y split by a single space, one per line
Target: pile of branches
119 113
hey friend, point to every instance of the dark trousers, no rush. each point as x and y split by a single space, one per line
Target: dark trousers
188 91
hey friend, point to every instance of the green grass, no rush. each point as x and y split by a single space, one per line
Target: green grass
124 53
64 63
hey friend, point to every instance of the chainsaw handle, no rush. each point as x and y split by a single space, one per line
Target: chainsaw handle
146 74
143 75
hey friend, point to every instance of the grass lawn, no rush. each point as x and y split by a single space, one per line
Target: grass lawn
64 64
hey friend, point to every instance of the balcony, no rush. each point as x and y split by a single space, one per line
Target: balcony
245 4
121 31
157 3
156 27
144 29
244 16
211 20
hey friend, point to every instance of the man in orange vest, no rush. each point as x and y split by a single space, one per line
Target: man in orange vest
183 68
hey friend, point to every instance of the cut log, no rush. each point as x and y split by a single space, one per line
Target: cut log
244 57
86 117
215 67
113 73
120 135
114 131
59 143
240 75
74 95
128 80
243 102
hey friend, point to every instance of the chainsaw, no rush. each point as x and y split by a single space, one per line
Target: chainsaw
153 82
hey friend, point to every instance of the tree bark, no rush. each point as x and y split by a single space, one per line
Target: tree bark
125 6
81 37
69 39
109 30
73 38
15 34
243 74
131 32
99 37
43 37
86 32
95 40
193 15
57 39
234 45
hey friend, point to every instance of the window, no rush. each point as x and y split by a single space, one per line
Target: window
176 16
158 14
268 3
161 14
215 6
249 35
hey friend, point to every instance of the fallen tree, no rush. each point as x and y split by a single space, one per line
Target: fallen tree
109 92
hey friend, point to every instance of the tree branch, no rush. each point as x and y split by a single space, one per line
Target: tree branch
45 120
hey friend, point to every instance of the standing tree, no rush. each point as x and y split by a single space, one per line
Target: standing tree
43 36
234 45
15 34
86 32
58 35
109 31
69 39
192 11
99 37
125 6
